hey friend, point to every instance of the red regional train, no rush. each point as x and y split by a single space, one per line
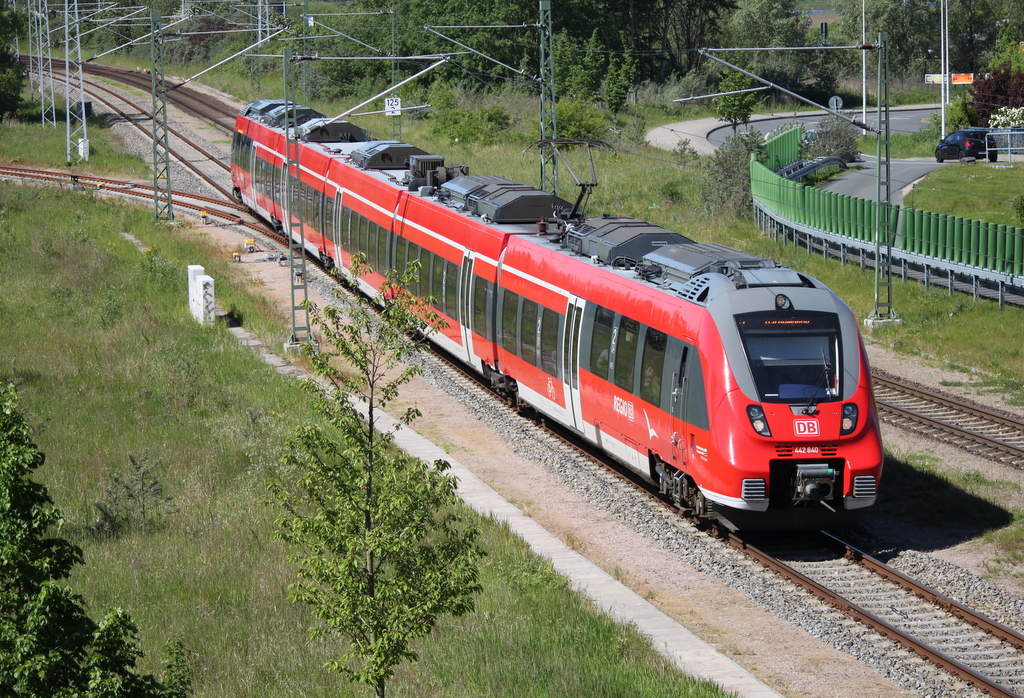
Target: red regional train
738 386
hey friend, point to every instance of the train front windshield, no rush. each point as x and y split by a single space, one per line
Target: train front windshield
793 357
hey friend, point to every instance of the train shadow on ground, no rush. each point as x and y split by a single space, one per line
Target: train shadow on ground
923 508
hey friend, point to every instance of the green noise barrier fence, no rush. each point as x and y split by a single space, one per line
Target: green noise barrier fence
995 248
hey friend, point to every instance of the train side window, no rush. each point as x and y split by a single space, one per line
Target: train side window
652 366
437 281
528 332
625 353
318 205
509 316
601 342
414 258
372 234
360 234
401 255
480 305
329 230
549 341
451 289
695 411
383 235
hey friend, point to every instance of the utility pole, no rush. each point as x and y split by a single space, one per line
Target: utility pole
74 91
261 9
40 61
548 122
163 207
293 213
396 121
883 312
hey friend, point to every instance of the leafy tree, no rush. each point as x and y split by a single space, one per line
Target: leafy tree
48 645
1004 87
690 25
622 75
12 72
383 551
728 189
735 108
578 71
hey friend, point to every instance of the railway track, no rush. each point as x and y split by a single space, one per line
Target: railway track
227 213
959 640
186 151
993 435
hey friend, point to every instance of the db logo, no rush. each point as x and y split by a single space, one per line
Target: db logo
805 427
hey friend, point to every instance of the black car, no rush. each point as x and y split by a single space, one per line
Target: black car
966 143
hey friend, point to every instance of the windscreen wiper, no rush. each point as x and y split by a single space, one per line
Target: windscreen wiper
812 402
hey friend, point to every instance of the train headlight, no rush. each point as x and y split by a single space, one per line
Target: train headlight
783 303
758 420
849 419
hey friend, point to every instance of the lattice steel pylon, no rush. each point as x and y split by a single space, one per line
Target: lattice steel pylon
163 206
40 62
293 215
261 30
33 44
74 90
883 211
548 123
46 100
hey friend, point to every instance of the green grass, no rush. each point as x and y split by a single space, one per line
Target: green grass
903 145
980 190
107 360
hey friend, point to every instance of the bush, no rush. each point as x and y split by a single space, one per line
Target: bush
834 136
727 190
578 120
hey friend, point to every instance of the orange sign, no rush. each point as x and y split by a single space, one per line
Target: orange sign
962 78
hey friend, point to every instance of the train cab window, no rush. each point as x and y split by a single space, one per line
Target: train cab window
528 332
625 352
549 341
480 305
652 366
601 342
793 358
509 316
451 290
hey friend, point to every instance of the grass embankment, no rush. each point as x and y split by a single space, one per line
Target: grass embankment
108 362
980 190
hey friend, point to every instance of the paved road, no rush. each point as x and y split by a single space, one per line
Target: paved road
707 134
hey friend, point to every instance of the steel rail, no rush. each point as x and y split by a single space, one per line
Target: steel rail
942 425
925 592
883 628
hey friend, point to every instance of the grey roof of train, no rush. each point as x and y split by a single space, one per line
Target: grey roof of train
694 271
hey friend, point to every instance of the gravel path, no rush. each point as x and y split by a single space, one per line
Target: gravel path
790 641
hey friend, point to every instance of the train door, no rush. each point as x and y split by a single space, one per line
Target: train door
677 359
571 360
465 313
